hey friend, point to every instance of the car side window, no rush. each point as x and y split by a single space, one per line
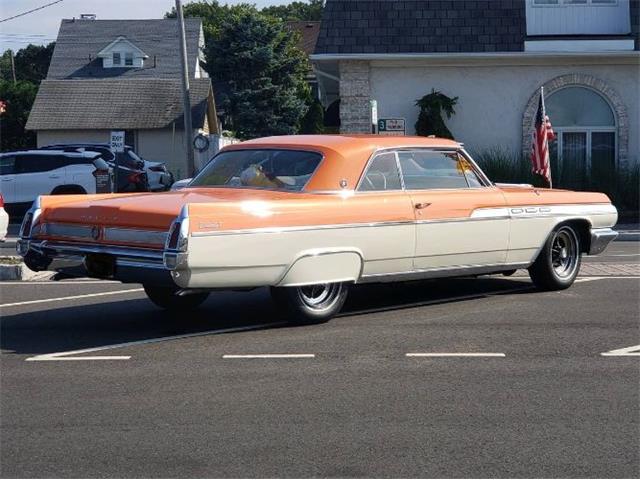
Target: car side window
381 174
472 177
432 169
38 163
7 165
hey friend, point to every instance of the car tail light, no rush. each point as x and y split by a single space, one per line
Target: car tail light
96 173
174 236
135 177
1 201
27 223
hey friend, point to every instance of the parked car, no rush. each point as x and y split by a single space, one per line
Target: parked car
129 172
158 176
180 184
308 216
25 175
4 220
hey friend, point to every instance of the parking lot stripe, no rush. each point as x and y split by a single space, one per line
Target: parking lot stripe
73 297
272 355
455 354
623 352
63 355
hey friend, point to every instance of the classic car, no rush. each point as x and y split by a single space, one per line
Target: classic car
309 215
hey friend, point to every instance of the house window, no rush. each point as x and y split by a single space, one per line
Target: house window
116 58
585 150
128 59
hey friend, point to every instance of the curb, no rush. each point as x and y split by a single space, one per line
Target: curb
21 272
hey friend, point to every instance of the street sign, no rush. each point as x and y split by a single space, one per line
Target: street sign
373 105
391 126
117 141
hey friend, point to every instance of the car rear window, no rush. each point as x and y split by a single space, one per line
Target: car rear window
288 170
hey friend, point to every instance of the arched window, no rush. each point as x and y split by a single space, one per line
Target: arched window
585 125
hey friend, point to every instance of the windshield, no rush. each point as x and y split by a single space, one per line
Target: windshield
273 169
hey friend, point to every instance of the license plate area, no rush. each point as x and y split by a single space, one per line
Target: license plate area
100 265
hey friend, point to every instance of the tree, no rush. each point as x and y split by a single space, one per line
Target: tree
31 62
304 11
19 99
257 57
430 120
313 121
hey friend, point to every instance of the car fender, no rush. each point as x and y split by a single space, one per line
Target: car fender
322 265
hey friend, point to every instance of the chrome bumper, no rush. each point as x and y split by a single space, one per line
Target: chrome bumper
130 265
600 238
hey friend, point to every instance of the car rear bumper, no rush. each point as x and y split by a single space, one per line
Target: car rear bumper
600 238
124 264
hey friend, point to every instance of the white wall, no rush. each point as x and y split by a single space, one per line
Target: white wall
492 100
568 19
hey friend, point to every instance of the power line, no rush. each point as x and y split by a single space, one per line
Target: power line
30 11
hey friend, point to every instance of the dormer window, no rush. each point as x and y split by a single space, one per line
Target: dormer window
122 53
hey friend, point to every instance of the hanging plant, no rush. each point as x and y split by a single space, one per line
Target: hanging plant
430 121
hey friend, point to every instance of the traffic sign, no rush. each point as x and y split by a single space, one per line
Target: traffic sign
117 141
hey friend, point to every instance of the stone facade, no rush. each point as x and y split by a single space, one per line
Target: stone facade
355 97
581 80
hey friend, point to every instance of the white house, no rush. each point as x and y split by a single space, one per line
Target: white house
493 55
125 75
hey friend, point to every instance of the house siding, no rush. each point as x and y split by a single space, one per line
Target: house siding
492 100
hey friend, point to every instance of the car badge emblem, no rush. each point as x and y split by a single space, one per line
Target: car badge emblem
95 232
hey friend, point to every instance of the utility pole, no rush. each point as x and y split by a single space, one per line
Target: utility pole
13 66
188 129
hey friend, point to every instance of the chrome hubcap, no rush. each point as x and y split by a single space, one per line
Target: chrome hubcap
564 253
319 297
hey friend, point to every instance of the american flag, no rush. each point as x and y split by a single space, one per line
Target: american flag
542 134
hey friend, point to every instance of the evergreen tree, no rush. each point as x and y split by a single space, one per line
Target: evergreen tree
313 121
19 99
257 58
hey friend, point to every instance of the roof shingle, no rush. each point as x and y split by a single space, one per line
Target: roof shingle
422 26
116 104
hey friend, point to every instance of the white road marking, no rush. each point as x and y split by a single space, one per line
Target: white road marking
623 352
608 277
455 354
272 355
73 297
64 355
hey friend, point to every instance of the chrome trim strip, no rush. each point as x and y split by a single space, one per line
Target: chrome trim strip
303 228
66 230
45 247
458 271
133 235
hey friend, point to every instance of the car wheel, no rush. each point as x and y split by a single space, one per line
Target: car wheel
558 263
311 303
168 298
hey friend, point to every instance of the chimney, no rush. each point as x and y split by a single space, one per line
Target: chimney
87 16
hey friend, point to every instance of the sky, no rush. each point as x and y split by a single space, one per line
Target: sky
41 27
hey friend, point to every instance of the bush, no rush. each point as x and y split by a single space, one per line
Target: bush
622 186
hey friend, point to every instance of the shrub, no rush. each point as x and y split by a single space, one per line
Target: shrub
621 186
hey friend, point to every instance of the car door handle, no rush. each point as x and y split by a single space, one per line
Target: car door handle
54 176
420 206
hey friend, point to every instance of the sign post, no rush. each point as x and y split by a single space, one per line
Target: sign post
117 146
392 126
373 104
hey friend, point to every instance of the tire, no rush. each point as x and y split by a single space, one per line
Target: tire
168 298
558 263
313 303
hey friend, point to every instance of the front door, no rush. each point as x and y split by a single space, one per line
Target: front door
460 221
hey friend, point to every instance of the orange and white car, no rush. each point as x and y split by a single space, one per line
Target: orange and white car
310 215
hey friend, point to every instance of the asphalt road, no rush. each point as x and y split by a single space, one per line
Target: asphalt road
170 404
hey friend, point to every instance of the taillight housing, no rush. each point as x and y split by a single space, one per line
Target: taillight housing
30 219
1 201
178 236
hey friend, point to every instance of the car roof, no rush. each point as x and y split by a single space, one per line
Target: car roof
345 156
88 155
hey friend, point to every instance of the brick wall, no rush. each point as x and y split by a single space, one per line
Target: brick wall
355 96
